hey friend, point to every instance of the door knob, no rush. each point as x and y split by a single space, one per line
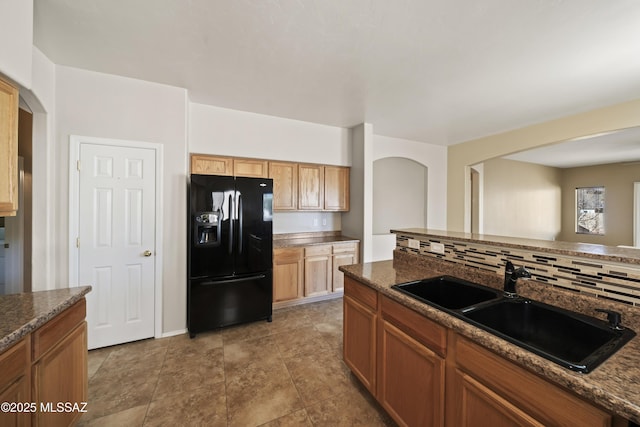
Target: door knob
147 253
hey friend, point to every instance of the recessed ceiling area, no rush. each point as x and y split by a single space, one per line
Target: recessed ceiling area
613 147
436 71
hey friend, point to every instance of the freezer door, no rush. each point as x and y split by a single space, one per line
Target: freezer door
253 225
217 303
211 226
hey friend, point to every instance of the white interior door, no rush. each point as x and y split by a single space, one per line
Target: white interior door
116 228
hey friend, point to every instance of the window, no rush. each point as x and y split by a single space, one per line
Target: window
590 210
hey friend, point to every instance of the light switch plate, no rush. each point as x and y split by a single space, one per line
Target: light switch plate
437 248
414 243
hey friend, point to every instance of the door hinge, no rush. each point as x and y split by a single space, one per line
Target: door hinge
77 242
78 165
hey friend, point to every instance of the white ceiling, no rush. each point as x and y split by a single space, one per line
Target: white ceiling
438 71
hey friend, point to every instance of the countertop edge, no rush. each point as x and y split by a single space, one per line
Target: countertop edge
12 338
580 384
312 241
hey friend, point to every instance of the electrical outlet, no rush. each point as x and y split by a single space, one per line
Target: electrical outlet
315 222
437 248
414 243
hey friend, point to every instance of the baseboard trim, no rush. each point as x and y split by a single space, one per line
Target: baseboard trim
173 333
307 300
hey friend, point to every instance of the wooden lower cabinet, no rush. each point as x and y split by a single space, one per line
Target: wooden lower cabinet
343 254
487 387
411 379
310 273
60 377
359 332
317 270
424 374
15 383
47 370
480 406
288 274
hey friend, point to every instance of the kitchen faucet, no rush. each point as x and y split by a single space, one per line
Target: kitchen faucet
510 277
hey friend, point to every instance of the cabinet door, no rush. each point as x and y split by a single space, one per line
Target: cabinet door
15 383
8 149
359 341
311 187
494 385
341 258
336 188
317 270
211 165
61 376
285 185
287 273
479 406
252 168
411 382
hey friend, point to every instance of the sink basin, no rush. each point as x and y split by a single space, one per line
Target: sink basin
570 339
448 292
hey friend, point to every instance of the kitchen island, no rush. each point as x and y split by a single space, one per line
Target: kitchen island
611 391
43 357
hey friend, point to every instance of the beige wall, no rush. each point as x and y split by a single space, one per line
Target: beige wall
460 156
618 181
521 199
393 206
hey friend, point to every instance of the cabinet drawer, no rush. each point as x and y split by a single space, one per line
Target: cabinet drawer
344 247
13 363
317 250
53 331
286 255
360 292
548 403
416 325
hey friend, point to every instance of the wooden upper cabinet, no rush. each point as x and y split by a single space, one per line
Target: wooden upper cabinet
8 149
252 168
211 165
336 188
285 185
296 186
310 187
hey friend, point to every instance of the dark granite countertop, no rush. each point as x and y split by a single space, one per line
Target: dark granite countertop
614 385
23 313
279 243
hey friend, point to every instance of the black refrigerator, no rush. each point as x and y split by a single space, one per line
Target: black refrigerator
229 251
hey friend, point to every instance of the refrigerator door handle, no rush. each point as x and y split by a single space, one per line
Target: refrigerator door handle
230 224
240 227
240 279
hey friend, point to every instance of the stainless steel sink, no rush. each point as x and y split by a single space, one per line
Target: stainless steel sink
448 292
570 339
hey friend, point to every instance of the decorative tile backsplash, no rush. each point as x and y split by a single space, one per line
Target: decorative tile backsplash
615 281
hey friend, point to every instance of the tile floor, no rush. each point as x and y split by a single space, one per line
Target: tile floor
285 373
